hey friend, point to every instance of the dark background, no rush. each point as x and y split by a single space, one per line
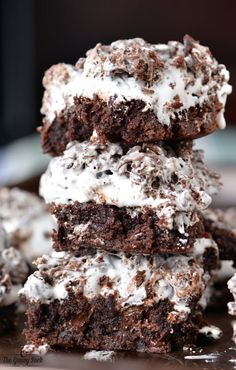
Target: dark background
38 33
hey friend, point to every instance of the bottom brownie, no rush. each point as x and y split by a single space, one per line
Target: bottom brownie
115 302
101 325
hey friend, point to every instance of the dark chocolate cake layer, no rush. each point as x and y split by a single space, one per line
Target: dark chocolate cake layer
83 226
126 122
101 325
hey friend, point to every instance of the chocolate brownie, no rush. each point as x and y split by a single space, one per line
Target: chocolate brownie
115 302
222 225
144 200
13 273
84 228
99 226
134 92
27 222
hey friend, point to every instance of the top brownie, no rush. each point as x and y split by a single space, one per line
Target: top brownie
134 92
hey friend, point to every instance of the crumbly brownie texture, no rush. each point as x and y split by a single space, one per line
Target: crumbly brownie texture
134 92
114 302
27 222
89 226
222 225
172 182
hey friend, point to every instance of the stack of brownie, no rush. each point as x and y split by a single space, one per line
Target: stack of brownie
133 261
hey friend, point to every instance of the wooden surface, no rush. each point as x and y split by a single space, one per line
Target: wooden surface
222 355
